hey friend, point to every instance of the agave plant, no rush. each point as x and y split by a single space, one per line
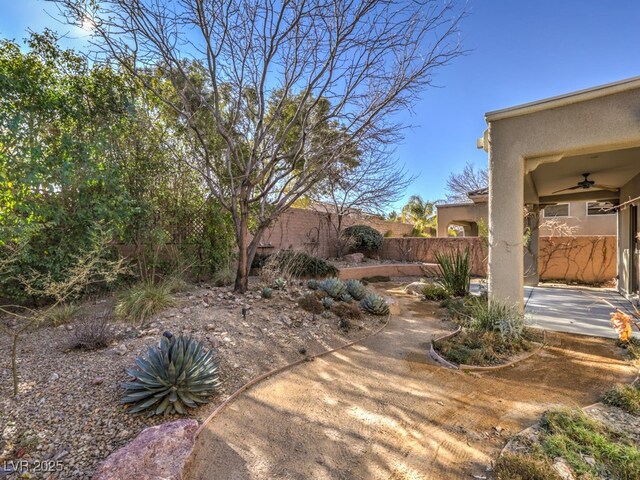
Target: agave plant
374 303
312 284
327 302
267 292
333 287
180 373
345 297
356 289
279 283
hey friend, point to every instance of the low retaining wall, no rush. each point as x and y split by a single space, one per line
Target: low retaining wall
387 270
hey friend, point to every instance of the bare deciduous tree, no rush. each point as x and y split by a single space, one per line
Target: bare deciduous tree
470 179
290 86
370 187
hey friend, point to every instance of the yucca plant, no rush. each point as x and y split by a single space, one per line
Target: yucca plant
180 373
374 303
333 287
356 289
267 292
455 269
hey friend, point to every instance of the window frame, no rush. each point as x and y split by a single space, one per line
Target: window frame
586 206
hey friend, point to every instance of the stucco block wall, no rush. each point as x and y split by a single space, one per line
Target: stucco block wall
582 259
313 232
465 212
419 249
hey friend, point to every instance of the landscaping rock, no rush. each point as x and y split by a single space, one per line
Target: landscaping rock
415 288
563 468
157 452
353 258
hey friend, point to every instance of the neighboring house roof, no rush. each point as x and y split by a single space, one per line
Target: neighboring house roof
479 192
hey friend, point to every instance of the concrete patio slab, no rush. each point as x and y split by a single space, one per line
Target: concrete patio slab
574 310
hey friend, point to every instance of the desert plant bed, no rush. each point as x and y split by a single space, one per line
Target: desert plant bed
598 442
479 348
68 407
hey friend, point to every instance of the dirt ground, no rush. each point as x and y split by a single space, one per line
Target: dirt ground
60 389
382 409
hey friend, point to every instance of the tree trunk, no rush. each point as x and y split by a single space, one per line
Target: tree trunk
242 238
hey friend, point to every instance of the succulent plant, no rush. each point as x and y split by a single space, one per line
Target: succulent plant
327 302
374 303
326 314
180 373
279 283
334 287
266 292
312 284
356 289
345 297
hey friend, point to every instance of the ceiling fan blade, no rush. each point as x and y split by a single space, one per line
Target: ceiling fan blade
606 187
566 189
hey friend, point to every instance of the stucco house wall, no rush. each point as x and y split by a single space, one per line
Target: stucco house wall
626 253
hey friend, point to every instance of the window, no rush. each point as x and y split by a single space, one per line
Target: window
558 210
599 208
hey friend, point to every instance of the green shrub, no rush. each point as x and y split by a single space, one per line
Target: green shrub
524 467
374 303
294 264
362 238
267 292
626 397
435 291
143 300
259 260
181 373
334 287
455 269
356 289
482 348
497 316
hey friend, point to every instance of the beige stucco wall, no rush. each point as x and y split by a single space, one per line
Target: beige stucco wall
465 212
593 124
578 221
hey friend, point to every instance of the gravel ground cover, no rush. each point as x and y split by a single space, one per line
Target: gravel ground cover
67 416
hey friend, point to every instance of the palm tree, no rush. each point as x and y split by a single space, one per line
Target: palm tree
421 213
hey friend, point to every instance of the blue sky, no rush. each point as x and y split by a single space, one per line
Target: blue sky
519 51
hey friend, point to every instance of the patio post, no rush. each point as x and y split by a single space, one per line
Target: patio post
532 233
506 202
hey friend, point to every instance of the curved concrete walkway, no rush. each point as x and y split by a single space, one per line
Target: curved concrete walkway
381 409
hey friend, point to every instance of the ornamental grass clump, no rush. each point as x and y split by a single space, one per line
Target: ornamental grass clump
455 271
140 302
181 373
496 316
375 304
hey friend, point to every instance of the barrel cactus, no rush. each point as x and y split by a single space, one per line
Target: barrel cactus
374 303
267 292
312 284
180 373
356 289
333 287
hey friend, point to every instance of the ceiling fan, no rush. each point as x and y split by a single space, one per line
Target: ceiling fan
587 184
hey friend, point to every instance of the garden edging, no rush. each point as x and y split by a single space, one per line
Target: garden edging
446 363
